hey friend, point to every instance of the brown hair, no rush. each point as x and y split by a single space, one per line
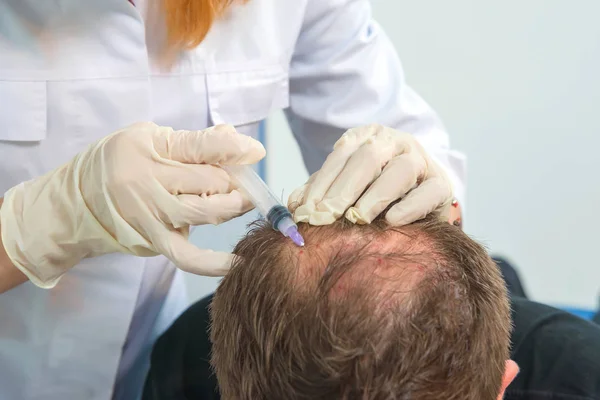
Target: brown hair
362 312
188 21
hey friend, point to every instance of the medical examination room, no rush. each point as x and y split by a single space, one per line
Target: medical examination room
299 200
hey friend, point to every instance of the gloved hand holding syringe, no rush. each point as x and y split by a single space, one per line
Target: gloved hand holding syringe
265 201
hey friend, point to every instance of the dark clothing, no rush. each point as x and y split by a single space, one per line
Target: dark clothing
180 362
558 353
511 277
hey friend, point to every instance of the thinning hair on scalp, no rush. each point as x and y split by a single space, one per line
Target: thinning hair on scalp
361 312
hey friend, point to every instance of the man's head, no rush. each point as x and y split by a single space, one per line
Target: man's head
362 312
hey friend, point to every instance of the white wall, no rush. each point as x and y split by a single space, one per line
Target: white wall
517 84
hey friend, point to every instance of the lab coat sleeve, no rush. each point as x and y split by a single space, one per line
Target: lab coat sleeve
345 73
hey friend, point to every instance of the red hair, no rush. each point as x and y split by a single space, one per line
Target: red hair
188 21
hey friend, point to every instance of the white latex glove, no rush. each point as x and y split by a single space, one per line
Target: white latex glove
137 192
389 165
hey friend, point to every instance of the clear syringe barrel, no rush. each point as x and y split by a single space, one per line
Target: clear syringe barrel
264 200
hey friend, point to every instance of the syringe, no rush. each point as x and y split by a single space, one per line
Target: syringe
265 201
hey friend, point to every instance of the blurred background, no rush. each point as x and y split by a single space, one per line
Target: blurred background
516 84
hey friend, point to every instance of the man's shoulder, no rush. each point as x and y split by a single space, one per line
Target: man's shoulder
556 351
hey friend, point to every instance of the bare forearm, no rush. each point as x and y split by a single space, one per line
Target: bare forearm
10 276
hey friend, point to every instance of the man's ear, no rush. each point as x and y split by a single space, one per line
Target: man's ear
511 371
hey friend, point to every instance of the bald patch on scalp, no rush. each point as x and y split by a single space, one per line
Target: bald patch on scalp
392 264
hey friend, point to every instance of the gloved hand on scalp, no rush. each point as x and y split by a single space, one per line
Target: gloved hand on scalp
371 167
136 191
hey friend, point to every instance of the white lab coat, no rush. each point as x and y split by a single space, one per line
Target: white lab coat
73 71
